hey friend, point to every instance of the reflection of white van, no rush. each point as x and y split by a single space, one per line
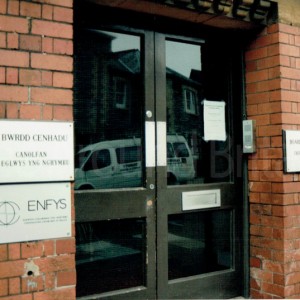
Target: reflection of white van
117 163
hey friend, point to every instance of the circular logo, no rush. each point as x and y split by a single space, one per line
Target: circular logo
9 213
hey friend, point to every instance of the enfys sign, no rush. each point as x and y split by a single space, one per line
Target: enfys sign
31 212
36 151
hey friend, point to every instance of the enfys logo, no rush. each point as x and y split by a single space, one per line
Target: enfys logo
38 205
9 213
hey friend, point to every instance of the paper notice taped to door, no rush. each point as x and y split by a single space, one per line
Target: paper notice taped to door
214 120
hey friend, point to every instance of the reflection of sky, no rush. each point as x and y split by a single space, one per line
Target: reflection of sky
125 42
180 57
183 57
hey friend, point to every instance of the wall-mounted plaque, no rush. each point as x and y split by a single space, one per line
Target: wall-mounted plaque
36 151
31 212
291 150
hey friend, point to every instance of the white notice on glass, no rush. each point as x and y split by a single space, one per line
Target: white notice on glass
214 121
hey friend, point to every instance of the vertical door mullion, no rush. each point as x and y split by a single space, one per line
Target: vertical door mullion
160 108
150 161
162 224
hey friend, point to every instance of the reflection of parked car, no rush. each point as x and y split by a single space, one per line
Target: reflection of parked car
117 163
180 160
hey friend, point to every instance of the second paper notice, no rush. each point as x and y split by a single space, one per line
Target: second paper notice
214 120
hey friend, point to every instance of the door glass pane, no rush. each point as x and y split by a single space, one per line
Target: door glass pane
199 243
108 106
200 159
110 255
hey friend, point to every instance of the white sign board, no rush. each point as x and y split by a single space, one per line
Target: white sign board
35 212
214 120
291 143
36 151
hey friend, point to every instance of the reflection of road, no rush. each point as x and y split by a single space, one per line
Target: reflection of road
99 276
101 250
110 255
8 213
184 242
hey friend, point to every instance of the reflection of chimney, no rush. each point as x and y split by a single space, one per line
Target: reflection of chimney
101 40
196 75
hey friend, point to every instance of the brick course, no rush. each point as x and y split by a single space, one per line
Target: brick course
273 95
36 81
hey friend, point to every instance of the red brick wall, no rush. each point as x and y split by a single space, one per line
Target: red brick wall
273 100
36 80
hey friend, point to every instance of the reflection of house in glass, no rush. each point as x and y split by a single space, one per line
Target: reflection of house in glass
110 94
184 115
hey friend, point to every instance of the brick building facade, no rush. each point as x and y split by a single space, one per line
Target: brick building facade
272 93
36 83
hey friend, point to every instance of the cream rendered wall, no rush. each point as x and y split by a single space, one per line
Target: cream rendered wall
289 12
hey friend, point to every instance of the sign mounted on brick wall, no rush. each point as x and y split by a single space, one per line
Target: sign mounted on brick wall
36 151
31 212
291 151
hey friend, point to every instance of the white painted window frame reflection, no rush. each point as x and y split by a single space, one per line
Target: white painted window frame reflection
193 105
123 94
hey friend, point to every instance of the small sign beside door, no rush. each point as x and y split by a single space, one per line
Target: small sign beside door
291 150
36 151
35 212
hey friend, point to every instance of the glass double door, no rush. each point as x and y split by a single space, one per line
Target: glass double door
157 197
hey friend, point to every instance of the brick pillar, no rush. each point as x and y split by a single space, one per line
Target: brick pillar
36 80
273 100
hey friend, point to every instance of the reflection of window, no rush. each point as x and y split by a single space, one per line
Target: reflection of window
98 160
170 150
181 150
80 158
128 154
177 149
121 92
190 101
